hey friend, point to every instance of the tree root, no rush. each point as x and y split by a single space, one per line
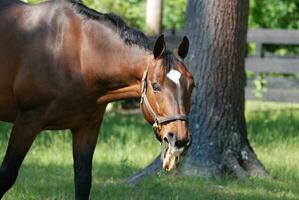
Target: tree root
252 165
239 165
152 168
247 166
232 165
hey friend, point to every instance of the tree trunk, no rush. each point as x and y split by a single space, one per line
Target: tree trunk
217 30
154 11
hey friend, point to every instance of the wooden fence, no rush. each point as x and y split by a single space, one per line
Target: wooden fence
278 75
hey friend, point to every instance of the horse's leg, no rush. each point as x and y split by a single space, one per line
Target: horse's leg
84 142
23 134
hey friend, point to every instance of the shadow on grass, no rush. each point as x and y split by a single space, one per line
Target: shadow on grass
197 188
56 182
53 181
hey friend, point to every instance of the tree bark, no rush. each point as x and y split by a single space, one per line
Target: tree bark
217 30
154 12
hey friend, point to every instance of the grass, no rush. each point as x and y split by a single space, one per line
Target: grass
127 144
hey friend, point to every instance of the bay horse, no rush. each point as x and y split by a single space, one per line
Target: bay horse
61 63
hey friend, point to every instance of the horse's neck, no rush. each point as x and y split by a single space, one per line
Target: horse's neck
127 83
113 66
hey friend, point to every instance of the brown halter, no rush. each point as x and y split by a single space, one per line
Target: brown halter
158 121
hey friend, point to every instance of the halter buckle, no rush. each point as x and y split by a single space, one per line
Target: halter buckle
157 125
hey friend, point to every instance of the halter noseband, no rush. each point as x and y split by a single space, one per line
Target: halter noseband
158 121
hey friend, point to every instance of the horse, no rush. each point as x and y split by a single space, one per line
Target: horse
61 63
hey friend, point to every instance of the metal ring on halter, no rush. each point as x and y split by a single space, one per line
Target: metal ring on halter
158 121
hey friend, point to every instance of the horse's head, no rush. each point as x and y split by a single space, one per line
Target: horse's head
165 101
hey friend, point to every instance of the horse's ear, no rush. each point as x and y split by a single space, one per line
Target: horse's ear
183 49
160 47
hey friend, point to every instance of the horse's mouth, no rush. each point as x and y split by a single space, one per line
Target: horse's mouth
170 159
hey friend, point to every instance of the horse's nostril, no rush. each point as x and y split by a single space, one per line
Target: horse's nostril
169 138
166 139
171 134
184 143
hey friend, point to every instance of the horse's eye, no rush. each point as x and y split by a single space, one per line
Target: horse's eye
156 87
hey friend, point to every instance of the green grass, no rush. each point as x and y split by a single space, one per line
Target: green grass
127 144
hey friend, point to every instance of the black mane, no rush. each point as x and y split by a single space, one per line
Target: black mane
129 35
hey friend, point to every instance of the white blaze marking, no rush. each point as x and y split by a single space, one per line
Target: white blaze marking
175 76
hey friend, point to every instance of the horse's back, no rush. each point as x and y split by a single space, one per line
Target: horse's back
9 12
32 39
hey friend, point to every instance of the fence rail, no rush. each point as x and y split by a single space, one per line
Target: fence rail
273 36
273 65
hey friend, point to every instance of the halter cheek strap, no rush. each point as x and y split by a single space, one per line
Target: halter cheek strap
158 121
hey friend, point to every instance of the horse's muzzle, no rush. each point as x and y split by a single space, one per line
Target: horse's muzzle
172 151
